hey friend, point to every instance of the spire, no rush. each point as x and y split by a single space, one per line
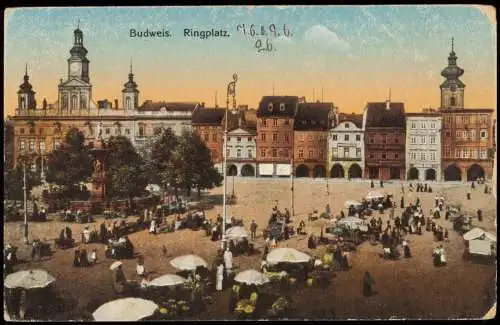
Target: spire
452 72
26 69
78 24
452 45
130 66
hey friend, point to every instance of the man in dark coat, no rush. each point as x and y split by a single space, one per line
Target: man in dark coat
367 284
479 215
69 234
402 202
381 183
371 184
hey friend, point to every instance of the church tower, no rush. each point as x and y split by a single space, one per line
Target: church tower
130 92
452 89
75 93
26 95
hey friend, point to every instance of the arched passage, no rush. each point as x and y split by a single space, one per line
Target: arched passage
355 171
319 171
452 173
474 172
430 175
232 170
412 174
337 171
247 170
302 171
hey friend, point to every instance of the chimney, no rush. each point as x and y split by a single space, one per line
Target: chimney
116 103
203 104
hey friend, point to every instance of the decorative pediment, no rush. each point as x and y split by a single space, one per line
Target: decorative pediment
240 131
75 83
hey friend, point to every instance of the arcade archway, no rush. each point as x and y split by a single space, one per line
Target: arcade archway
452 173
319 171
232 170
412 174
474 172
337 171
430 175
247 170
302 171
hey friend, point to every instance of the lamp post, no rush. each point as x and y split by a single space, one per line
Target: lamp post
25 205
291 192
231 91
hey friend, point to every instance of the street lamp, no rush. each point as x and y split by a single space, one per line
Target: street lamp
231 91
291 193
25 205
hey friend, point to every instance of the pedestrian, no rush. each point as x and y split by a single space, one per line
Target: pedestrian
233 299
228 261
402 202
402 188
381 183
76 259
345 261
253 229
367 284
425 188
371 184
219 277
479 215
406 247
468 195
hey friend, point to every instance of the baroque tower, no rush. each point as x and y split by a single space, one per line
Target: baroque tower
452 89
130 92
76 91
25 94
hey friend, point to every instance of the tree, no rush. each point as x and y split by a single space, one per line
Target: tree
13 182
70 164
163 161
206 176
125 169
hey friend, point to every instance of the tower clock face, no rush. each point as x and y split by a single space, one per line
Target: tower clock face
74 68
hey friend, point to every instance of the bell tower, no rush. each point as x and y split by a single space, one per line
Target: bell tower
26 95
452 89
130 92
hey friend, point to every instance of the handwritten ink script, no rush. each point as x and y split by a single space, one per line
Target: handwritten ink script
263 35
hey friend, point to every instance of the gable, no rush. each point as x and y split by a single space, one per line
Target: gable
239 131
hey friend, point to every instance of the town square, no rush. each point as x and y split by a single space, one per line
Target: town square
199 199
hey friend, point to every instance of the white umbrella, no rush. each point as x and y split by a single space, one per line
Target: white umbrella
374 195
236 232
167 280
31 279
350 203
115 265
125 309
285 254
188 262
251 277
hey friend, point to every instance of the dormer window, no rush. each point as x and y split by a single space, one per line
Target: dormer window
346 125
270 107
282 107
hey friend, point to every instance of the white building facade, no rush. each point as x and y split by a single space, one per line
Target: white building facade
241 152
423 146
346 148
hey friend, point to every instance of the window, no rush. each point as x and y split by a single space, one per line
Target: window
275 136
57 144
358 137
334 137
346 125
413 125
301 153
447 152
42 146
262 152
423 125
270 107
309 138
433 125
321 153
457 153
484 135
74 101
32 130
448 134
238 153
263 136
108 131
127 131
473 134
157 131
335 152
310 153
31 145
396 140
433 156
282 107
413 140
346 152
346 137
473 153
249 153
396 156
358 152
422 140
286 138
465 153
285 152
264 122
433 139
249 139
452 101
384 156
286 122
205 136
275 152
372 155
384 138
238 139
483 119
371 139
422 156
483 153
21 130
228 139
141 132
227 153
413 156
275 122
214 137
22 145
117 131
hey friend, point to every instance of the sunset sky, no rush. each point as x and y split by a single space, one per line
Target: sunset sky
354 53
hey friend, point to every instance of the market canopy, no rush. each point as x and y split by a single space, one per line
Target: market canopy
251 277
287 255
188 262
374 195
31 279
167 280
478 233
350 203
125 309
236 232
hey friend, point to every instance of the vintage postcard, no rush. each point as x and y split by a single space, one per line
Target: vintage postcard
250 162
